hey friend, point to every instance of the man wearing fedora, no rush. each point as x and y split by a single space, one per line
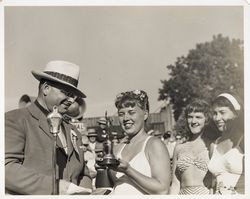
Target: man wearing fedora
29 143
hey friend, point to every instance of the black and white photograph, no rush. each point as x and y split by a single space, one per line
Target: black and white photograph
125 99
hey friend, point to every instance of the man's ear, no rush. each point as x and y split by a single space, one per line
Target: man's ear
146 115
45 88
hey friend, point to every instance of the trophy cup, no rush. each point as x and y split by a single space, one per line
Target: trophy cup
54 120
115 138
108 158
105 159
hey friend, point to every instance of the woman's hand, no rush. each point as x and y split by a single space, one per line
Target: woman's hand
122 167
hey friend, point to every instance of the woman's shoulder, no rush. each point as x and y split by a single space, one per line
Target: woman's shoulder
156 149
215 142
154 143
181 147
151 140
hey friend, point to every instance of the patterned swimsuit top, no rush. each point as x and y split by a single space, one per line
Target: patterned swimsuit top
185 159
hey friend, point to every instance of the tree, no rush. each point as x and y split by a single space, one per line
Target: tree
210 68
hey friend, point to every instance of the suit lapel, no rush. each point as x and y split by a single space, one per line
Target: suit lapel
42 121
66 129
72 135
74 141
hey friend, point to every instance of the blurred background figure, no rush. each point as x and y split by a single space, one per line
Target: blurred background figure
166 137
24 101
184 139
150 132
92 135
178 139
90 154
85 141
158 134
170 142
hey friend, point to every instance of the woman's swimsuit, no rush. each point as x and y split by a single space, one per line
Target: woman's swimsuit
226 167
185 159
123 185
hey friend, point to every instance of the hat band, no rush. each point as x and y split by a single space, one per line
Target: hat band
63 77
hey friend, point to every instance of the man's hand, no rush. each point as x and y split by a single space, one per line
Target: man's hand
63 187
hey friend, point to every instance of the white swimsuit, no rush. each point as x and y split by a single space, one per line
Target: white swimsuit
123 185
226 167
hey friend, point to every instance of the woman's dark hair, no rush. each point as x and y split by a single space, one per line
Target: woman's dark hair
235 104
132 98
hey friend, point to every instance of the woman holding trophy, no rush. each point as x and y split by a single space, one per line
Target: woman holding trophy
144 164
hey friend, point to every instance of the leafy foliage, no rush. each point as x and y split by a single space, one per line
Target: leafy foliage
210 68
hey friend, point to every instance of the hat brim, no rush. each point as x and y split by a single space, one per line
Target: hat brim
41 75
101 122
92 135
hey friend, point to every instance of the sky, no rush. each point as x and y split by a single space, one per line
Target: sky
118 48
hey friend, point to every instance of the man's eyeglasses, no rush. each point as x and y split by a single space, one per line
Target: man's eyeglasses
68 93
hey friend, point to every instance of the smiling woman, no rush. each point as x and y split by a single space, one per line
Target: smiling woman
227 161
130 177
191 158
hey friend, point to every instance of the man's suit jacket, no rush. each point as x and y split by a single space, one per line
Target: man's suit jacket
28 153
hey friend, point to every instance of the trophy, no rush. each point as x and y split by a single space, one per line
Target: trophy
105 159
54 120
115 138
108 158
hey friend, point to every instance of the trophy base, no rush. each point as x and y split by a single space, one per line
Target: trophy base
109 162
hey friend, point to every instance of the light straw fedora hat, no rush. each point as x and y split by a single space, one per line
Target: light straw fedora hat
62 72
102 120
92 132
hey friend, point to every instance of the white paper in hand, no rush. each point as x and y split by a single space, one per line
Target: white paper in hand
74 189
